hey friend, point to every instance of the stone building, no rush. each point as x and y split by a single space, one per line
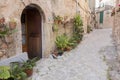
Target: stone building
34 19
92 4
103 17
116 27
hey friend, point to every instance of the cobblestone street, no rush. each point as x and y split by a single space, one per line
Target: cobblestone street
86 62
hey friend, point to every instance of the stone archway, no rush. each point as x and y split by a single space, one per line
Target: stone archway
31 20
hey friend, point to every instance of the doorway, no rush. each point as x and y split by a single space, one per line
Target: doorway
31 22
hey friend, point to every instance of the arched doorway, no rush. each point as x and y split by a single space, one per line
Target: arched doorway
31 22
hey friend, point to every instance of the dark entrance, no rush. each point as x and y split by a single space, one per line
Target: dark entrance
31 31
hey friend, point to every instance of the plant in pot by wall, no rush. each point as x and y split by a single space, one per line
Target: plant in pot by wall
4 72
58 19
89 29
17 71
12 24
28 66
5 31
78 28
61 43
2 22
55 27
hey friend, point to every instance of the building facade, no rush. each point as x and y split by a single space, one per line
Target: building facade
35 21
92 4
103 17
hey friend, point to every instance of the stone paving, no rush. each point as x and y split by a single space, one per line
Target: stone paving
111 58
85 62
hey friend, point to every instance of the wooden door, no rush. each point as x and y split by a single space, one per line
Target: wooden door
31 33
24 32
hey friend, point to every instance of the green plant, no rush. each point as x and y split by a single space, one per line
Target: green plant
4 72
55 27
78 29
89 29
17 72
62 42
6 32
29 64
58 19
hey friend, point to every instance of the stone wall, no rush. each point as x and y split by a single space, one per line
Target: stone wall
107 20
116 28
14 8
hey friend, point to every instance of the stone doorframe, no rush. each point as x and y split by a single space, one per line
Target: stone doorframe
42 24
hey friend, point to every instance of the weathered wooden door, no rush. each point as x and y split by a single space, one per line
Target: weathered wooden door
33 37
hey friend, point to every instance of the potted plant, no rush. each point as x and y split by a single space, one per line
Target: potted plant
17 71
12 24
78 28
4 72
89 29
58 19
61 43
28 66
2 20
55 27
55 52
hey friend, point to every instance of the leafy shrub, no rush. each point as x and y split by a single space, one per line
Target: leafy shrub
89 29
17 72
78 29
29 64
62 42
4 72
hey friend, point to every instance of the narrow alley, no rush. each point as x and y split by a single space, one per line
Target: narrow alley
86 62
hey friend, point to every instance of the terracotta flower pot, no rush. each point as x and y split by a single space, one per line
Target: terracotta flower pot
78 41
29 72
2 20
68 49
12 25
55 53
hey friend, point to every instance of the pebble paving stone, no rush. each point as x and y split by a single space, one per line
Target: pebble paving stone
85 62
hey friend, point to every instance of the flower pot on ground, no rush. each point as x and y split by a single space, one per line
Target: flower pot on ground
55 52
17 71
29 72
62 42
78 41
68 48
60 52
28 66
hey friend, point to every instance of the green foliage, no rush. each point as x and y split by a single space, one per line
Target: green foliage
62 42
17 72
58 18
73 42
30 63
78 29
4 72
89 29
55 27
6 32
